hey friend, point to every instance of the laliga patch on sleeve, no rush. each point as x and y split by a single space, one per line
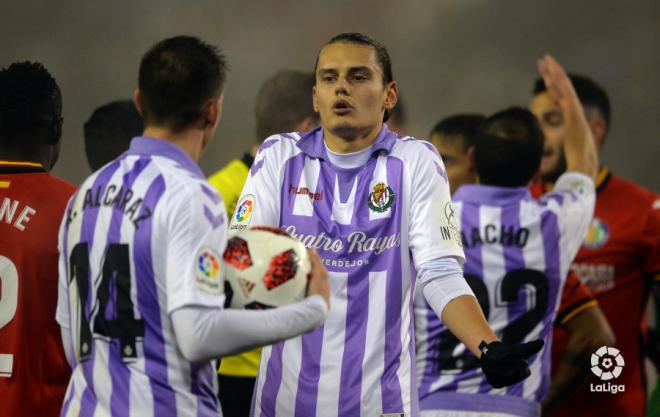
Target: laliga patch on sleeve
243 214
207 271
449 231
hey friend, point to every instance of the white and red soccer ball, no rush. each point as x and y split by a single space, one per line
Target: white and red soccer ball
264 268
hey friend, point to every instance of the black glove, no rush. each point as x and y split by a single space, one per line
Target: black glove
506 365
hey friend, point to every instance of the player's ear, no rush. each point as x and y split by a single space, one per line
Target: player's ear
212 111
599 130
470 158
391 95
137 100
315 102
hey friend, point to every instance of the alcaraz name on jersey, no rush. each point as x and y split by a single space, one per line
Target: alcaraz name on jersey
368 223
141 238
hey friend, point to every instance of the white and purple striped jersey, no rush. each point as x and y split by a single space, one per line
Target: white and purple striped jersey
140 239
369 224
518 251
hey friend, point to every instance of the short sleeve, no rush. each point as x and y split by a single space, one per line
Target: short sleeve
195 237
575 297
575 196
259 202
434 230
651 238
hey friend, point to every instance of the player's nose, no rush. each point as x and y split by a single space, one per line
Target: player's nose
341 87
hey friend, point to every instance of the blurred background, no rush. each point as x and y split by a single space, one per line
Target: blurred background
448 56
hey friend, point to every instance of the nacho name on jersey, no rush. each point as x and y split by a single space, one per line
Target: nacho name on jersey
118 197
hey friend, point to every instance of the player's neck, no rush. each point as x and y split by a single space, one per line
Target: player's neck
190 140
350 141
22 155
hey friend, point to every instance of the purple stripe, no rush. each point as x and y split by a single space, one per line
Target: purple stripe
210 193
308 380
257 166
559 198
345 180
267 144
513 259
552 253
288 136
202 377
153 345
394 296
67 403
272 382
119 372
357 310
481 403
89 401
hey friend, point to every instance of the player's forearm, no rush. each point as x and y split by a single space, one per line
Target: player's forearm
204 333
588 331
465 319
579 146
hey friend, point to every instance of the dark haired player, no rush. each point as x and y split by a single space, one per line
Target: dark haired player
578 315
33 369
620 256
140 296
518 253
109 130
371 199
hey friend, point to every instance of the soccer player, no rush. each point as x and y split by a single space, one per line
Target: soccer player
619 257
33 369
454 138
518 251
109 130
284 104
140 294
365 199
578 315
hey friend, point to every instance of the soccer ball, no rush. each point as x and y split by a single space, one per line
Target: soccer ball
264 268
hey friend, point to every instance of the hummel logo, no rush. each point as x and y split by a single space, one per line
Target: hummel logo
305 191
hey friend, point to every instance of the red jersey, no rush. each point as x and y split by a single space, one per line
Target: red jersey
620 255
33 369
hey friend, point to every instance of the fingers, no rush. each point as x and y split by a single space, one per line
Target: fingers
529 348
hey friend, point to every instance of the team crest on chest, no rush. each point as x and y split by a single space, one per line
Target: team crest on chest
381 198
597 235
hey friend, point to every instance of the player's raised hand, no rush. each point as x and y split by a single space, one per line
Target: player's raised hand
579 145
318 280
506 364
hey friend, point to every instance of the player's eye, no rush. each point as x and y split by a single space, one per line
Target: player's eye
360 77
553 119
328 78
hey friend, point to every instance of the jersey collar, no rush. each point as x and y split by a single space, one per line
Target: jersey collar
141 145
603 178
312 142
20 167
490 194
